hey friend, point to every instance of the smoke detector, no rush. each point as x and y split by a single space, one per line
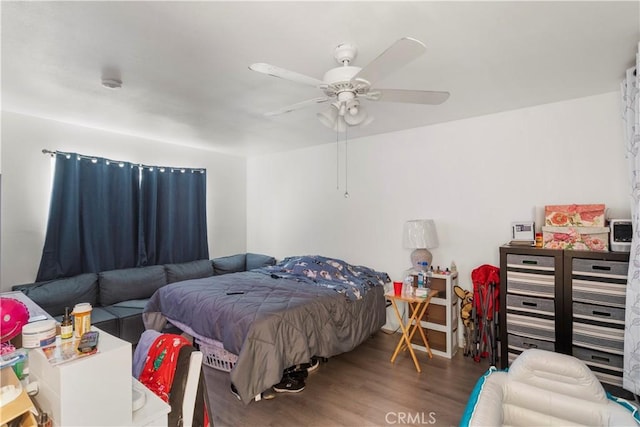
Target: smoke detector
112 83
111 78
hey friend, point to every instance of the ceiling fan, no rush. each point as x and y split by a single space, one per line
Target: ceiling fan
347 85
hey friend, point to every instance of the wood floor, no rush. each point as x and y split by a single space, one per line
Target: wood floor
359 388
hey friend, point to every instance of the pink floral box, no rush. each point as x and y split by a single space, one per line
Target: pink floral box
574 215
576 238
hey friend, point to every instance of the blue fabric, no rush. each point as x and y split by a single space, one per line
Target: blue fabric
173 216
54 295
257 261
229 264
92 217
188 270
101 219
475 395
352 281
140 354
130 283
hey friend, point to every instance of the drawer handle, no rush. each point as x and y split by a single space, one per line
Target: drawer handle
530 261
600 358
529 345
601 313
601 267
529 304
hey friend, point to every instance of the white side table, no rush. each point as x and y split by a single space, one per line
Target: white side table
95 390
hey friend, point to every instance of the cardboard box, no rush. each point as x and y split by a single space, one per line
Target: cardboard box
21 410
574 215
576 238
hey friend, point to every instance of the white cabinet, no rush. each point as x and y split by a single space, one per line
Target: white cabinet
91 391
440 322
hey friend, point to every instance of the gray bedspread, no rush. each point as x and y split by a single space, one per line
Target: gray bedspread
273 324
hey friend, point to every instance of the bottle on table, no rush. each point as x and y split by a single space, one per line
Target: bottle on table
66 326
408 285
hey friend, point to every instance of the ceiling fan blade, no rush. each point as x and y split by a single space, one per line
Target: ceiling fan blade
396 56
274 71
297 106
408 96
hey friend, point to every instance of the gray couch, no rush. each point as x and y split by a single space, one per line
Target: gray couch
118 297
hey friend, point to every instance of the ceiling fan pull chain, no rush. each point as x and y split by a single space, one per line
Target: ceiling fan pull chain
346 164
337 160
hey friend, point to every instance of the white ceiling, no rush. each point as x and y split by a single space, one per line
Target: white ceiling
186 81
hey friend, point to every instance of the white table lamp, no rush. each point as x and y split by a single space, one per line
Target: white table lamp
420 235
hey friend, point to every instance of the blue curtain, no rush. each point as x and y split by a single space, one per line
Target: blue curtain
108 215
93 217
173 215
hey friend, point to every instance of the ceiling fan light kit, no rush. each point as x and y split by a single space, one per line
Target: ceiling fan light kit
329 116
347 85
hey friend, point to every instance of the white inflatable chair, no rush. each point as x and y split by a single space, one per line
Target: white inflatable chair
543 388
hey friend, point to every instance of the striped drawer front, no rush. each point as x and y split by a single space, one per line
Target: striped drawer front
519 344
532 327
599 360
599 292
607 378
599 313
531 284
610 340
604 269
531 305
531 262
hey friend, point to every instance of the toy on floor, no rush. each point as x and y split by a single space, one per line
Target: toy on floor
545 388
466 308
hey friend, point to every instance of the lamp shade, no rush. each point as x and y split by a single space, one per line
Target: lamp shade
420 234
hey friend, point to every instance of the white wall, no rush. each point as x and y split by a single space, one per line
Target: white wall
26 180
473 177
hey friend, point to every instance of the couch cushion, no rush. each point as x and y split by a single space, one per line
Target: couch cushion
108 322
129 314
188 270
54 295
135 304
230 264
130 283
259 260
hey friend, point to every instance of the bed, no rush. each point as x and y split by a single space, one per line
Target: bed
276 317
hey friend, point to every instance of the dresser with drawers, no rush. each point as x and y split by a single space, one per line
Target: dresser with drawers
595 292
531 296
565 301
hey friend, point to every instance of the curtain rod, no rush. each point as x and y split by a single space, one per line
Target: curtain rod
162 168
